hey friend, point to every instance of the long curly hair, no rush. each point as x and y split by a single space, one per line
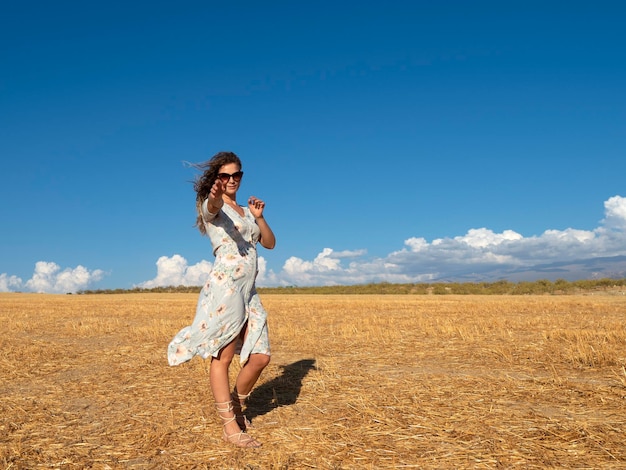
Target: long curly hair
203 183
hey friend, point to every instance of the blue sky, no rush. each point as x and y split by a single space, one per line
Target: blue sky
391 141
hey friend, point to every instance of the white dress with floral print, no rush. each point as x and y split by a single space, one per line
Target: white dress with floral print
228 298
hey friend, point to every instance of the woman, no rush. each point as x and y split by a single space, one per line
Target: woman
229 316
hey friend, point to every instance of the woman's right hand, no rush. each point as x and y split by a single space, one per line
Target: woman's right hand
215 197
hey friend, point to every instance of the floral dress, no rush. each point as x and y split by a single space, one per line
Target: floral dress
228 299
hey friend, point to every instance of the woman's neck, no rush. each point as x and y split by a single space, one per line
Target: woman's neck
229 200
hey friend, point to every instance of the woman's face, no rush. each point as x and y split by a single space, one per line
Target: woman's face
230 175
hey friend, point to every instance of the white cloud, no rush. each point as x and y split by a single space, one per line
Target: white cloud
48 277
326 269
615 213
479 250
416 244
9 283
344 254
482 237
174 271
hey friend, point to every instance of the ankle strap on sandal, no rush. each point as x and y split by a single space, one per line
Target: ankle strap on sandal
224 407
240 396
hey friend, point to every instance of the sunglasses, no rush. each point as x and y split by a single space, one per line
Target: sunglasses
225 177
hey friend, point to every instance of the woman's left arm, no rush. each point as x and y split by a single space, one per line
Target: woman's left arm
267 239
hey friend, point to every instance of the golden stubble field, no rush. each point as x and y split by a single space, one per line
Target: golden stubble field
355 382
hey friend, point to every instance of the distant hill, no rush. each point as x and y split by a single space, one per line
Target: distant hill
586 269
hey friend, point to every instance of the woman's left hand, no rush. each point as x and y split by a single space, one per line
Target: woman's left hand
267 239
256 207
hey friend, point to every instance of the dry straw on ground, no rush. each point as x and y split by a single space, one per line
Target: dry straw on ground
355 382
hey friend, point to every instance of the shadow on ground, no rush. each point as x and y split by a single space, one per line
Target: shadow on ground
280 391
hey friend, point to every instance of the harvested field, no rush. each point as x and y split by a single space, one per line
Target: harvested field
363 382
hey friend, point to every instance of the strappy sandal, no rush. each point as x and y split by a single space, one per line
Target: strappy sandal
239 401
239 439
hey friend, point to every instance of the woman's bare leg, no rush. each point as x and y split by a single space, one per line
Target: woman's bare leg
247 377
220 387
250 373
251 370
